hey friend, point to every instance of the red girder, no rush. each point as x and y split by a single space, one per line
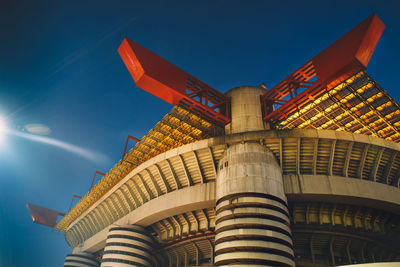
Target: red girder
129 137
348 55
43 216
94 176
72 201
165 80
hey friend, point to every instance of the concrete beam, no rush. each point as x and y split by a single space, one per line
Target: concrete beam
201 196
327 188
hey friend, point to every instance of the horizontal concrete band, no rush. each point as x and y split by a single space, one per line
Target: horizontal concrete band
251 258
134 247
120 255
129 228
141 235
231 197
252 213
251 205
253 234
81 260
261 200
126 261
253 223
77 263
131 231
342 190
82 255
137 253
254 244
123 246
246 265
264 250
122 263
128 239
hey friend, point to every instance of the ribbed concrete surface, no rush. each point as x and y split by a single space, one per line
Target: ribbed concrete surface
81 259
127 246
252 222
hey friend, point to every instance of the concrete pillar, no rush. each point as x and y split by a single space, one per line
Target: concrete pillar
252 221
246 112
81 259
128 245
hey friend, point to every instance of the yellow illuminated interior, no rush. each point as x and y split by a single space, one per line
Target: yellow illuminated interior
357 105
177 128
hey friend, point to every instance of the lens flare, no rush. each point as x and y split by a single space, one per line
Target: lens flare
36 134
83 152
3 130
38 129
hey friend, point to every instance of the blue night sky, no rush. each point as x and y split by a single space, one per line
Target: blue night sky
59 67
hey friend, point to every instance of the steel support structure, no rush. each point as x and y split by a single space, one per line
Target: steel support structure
170 83
345 57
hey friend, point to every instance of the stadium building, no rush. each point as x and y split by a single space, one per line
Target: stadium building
303 174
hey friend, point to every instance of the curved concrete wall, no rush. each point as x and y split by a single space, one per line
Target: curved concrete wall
81 259
252 223
127 245
249 167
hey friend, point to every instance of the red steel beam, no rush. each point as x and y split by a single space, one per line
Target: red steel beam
43 216
130 137
348 55
94 176
72 201
170 83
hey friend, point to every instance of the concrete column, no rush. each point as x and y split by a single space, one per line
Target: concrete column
246 112
252 221
81 259
128 245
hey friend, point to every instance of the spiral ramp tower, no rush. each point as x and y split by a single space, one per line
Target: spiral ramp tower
246 184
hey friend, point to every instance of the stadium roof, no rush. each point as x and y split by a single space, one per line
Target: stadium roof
332 91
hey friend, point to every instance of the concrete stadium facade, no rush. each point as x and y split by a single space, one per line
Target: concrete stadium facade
252 197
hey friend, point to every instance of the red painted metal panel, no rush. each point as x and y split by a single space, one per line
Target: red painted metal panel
168 82
348 55
354 48
42 215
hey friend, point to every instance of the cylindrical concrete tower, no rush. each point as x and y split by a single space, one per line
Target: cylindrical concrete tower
127 246
246 110
252 223
81 259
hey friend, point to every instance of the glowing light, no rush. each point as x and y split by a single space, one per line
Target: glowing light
36 128
3 130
